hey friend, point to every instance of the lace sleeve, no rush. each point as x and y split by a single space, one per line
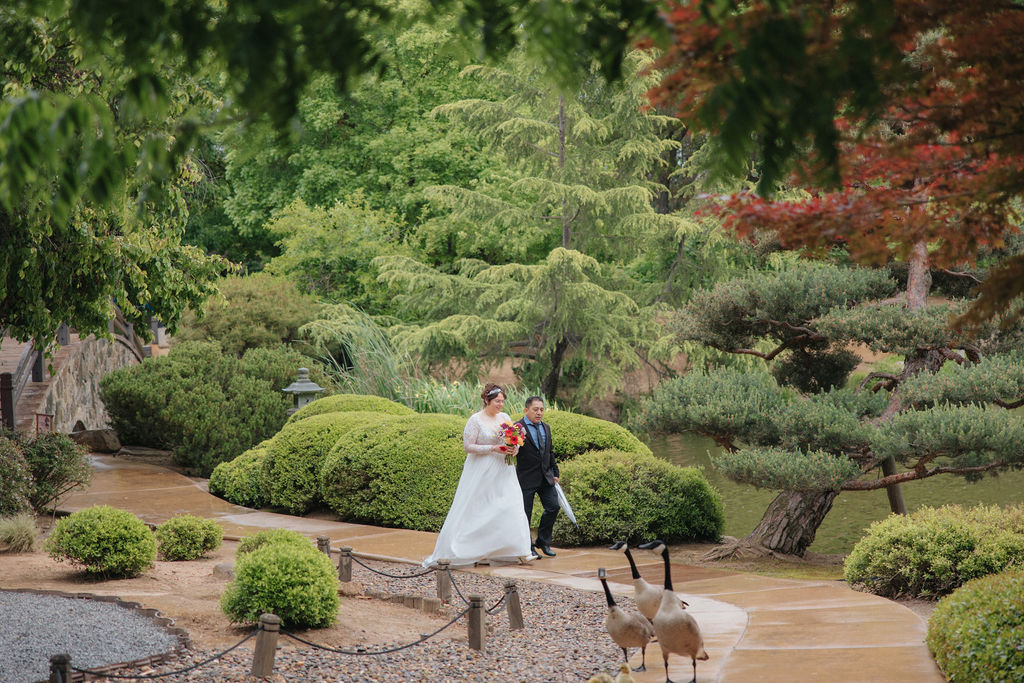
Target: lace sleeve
471 438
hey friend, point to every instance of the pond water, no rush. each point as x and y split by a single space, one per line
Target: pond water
852 512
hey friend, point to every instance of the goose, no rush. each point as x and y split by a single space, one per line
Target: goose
624 675
627 629
677 631
646 596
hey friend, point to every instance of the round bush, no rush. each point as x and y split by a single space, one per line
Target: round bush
57 464
16 481
187 537
291 467
105 541
301 588
274 536
240 481
933 551
401 473
341 403
636 497
573 434
975 634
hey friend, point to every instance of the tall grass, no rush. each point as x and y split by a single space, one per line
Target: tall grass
361 360
19 533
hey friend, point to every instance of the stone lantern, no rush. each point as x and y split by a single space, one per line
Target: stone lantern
303 390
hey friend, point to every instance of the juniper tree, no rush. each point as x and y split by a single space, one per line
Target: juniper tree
804 430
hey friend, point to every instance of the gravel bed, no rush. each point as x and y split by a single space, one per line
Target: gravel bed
94 633
564 640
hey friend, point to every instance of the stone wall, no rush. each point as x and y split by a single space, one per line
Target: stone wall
73 394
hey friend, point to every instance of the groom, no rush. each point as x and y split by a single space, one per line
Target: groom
538 473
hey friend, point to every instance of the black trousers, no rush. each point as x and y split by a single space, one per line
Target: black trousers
549 499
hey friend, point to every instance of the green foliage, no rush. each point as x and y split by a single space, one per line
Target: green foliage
573 434
975 634
994 379
401 472
299 587
58 466
886 328
343 403
187 537
827 422
779 469
635 496
965 436
204 405
251 311
273 537
933 551
812 371
290 468
105 541
239 481
16 482
18 533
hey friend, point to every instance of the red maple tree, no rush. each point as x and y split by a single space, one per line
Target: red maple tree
904 120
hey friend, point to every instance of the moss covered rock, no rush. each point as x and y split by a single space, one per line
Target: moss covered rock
400 473
632 496
341 403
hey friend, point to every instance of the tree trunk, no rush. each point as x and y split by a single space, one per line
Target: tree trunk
550 384
788 526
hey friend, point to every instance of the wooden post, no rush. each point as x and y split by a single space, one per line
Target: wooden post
345 564
444 581
323 544
266 646
515 610
6 400
37 363
63 334
431 605
60 669
476 622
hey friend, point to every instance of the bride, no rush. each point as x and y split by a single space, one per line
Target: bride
487 520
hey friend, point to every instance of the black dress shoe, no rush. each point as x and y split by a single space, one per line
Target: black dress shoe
535 552
546 549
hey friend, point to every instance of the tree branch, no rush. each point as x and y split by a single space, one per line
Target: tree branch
893 379
914 475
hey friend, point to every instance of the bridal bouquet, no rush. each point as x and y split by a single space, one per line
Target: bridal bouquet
513 435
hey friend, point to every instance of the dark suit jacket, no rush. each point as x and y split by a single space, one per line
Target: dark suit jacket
534 466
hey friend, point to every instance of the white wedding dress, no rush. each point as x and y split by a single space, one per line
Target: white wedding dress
486 520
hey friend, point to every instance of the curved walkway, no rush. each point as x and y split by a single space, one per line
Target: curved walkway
755 628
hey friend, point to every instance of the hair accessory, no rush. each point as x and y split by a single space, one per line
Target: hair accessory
494 392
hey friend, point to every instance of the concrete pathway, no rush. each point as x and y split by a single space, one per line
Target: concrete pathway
755 628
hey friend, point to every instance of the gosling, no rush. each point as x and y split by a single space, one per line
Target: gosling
627 629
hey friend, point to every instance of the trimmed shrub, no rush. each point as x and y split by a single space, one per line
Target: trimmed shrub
975 634
19 533
273 536
252 311
105 541
301 588
203 404
340 403
16 480
573 434
187 537
240 481
399 473
933 551
291 467
636 497
58 466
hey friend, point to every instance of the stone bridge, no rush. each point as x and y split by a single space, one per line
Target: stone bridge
66 388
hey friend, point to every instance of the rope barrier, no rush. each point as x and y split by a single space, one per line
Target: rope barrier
456 587
497 604
393 576
378 652
169 673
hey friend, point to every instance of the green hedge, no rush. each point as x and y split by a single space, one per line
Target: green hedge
240 481
402 473
273 536
291 467
573 434
187 537
933 551
105 541
976 634
340 403
636 497
299 587
205 405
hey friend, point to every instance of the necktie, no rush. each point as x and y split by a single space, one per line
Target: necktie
540 435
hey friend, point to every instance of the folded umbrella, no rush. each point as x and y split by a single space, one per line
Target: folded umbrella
564 503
